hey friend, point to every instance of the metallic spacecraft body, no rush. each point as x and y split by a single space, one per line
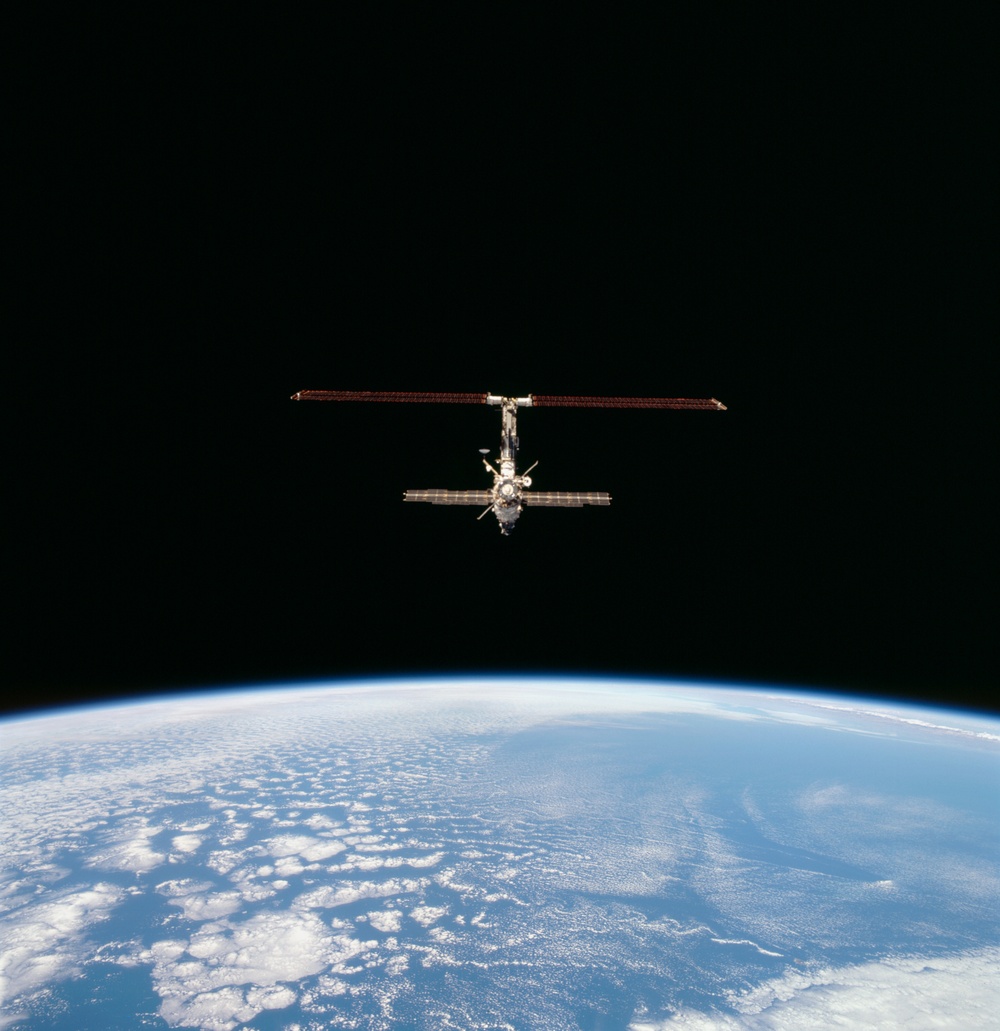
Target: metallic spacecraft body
511 491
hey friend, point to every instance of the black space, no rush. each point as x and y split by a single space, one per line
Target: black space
794 217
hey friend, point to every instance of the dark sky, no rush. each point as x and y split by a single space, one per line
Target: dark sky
793 218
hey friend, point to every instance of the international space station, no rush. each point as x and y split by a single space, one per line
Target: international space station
511 491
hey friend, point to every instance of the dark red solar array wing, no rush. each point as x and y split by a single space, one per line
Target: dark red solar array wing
565 498
385 395
697 403
450 497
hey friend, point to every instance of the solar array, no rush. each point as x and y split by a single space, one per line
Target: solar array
537 400
389 395
565 498
698 403
450 497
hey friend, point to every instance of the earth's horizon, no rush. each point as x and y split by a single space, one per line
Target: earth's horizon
500 852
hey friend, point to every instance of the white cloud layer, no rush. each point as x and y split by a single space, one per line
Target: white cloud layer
387 920
344 893
131 851
50 944
227 973
912 994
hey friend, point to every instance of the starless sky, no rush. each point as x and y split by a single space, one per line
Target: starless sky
791 218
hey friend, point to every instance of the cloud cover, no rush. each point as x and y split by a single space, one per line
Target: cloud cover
911 994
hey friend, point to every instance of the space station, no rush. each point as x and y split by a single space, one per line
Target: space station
511 492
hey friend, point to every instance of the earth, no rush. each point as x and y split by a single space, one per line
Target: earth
500 854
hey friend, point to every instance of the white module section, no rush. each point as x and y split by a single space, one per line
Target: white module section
521 402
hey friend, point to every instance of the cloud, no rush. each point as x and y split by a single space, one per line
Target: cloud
894 717
427 915
186 843
50 943
910 994
200 902
745 941
210 907
131 851
227 972
387 920
330 896
312 850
